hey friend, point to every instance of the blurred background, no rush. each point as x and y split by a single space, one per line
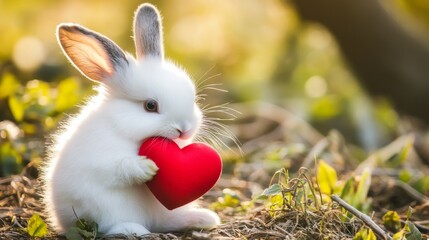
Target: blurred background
345 65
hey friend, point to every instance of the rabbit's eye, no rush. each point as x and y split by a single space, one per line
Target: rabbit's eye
151 105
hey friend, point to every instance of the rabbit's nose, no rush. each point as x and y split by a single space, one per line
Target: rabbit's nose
183 134
184 130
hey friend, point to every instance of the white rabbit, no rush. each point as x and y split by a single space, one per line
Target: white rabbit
93 169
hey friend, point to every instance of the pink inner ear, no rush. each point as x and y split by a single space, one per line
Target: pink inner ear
87 54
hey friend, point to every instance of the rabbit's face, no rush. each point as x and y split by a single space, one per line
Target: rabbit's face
156 99
144 97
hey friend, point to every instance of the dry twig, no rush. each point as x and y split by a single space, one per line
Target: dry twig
365 218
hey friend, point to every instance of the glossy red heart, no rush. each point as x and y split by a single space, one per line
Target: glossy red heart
184 174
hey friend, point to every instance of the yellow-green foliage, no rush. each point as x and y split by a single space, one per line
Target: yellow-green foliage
36 226
34 109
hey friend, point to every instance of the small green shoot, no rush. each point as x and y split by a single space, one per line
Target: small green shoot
359 200
399 235
365 234
83 230
355 191
290 193
392 221
229 198
408 232
231 202
326 177
398 159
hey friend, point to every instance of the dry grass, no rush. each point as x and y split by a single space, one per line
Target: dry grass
19 201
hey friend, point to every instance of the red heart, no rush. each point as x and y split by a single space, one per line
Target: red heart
184 174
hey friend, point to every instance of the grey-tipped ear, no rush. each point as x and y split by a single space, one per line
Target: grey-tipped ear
94 55
148 32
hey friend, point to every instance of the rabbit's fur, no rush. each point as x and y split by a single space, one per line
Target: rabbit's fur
93 170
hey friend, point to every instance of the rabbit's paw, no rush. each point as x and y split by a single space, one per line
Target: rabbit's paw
136 169
128 228
147 168
201 218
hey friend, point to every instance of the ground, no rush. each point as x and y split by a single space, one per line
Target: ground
279 187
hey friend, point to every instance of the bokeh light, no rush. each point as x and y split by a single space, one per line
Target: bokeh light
315 86
29 53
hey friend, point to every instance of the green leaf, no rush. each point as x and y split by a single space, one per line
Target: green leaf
86 225
230 198
327 177
398 159
405 151
371 235
82 224
362 190
409 213
365 234
392 221
17 108
73 234
10 159
85 229
399 235
276 203
36 226
88 234
299 196
37 90
405 175
95 232
422 184
412 232
348 190
8 85
272 190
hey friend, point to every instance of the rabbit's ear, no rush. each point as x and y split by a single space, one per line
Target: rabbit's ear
148 32
96 56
